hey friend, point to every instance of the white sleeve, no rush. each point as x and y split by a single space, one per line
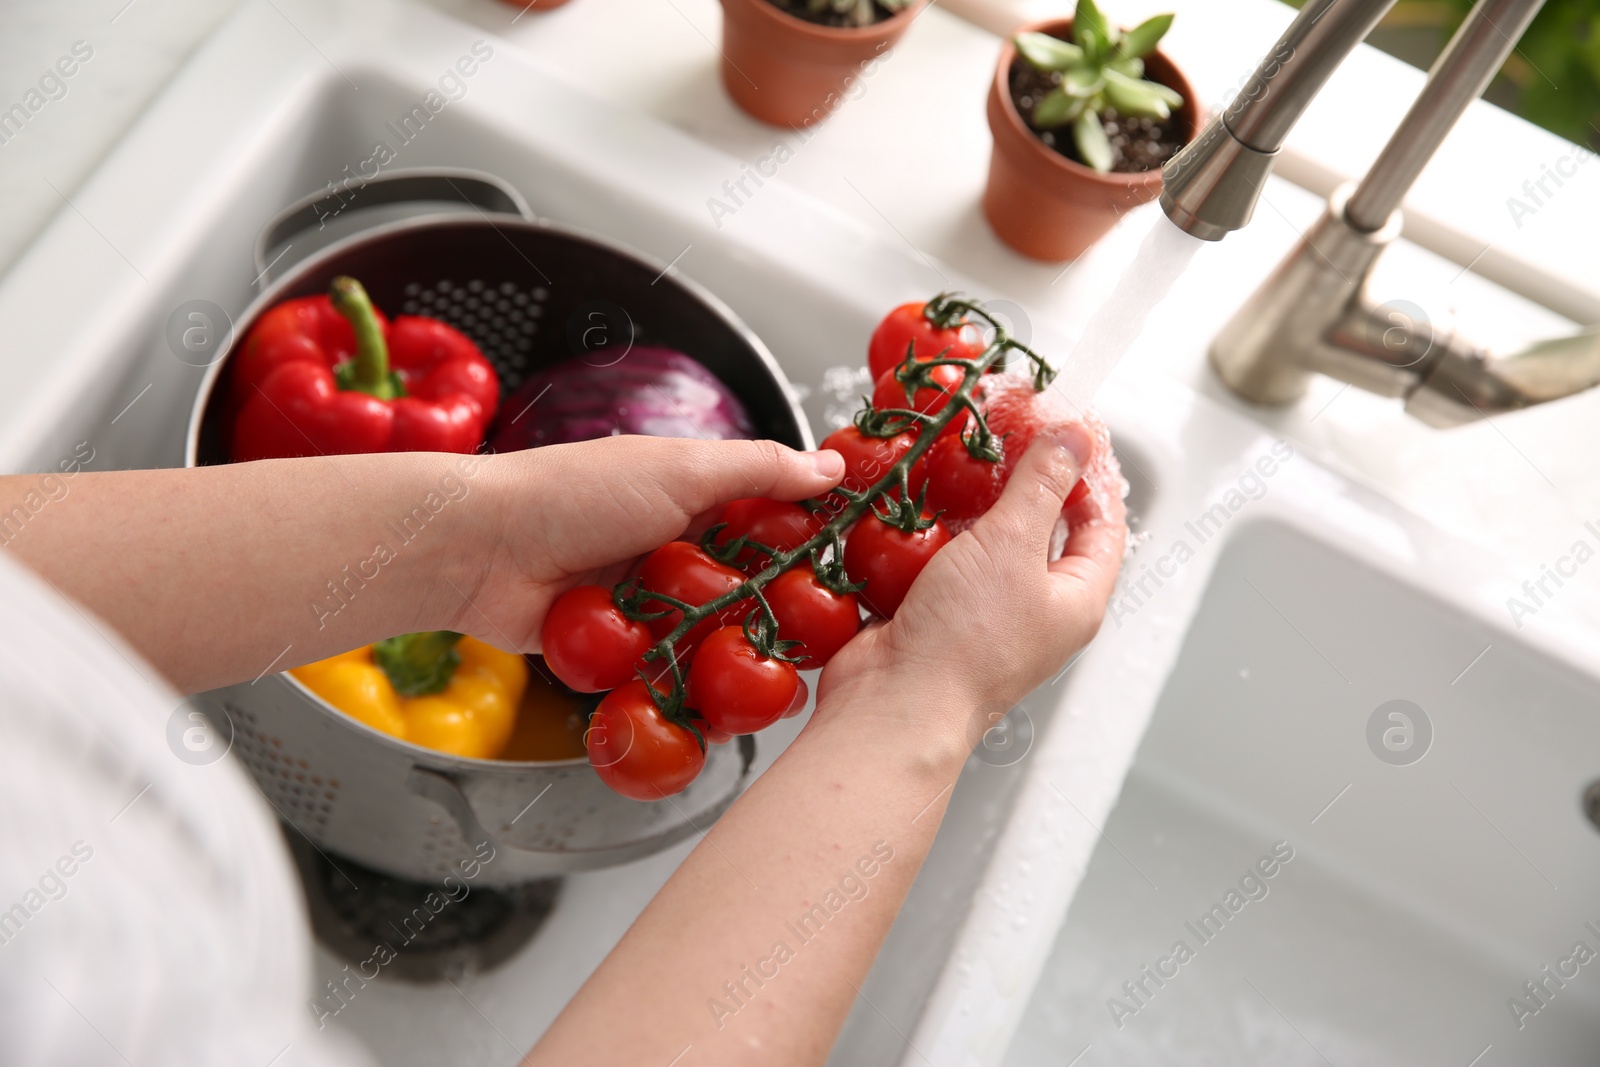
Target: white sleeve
148 910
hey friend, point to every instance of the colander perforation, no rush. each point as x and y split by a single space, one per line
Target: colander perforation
498 316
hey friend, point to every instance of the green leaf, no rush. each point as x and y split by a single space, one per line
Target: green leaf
1133 68
1090 138
1082 82
1173 98
1142 39
1057 109
1044 52
1132 97
1089 29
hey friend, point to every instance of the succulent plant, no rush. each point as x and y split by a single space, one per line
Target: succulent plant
1102 67
856 12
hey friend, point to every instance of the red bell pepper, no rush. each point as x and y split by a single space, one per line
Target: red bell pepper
325 375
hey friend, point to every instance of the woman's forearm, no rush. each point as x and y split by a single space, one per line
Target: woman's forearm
758 944
217 574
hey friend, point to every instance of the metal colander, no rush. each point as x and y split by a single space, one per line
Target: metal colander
530 294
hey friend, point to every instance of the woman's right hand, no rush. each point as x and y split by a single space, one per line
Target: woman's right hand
858 795
991 617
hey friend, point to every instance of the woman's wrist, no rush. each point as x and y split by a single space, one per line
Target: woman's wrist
438 532
904 709
452 512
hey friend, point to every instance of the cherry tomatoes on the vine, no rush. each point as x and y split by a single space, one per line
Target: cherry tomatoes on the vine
889 560
775 523
959 485
636 751
589 643
890 392
682 571
809 612
866 460
907 326
737 689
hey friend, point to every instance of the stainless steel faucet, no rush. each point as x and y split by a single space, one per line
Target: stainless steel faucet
1314 314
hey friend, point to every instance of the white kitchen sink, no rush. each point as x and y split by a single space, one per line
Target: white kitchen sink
1415 904
1433 871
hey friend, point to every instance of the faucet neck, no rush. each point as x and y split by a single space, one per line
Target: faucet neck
1290 76
1210 188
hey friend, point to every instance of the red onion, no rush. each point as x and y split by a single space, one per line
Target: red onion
654 391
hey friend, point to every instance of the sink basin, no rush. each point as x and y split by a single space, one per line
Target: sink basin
1420 895
1331 681
1433 872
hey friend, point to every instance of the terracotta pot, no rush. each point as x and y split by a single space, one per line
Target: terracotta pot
789 72
1045 205
535 5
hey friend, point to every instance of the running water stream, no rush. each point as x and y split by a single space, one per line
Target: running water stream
1145 282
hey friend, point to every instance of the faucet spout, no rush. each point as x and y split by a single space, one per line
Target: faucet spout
1210 188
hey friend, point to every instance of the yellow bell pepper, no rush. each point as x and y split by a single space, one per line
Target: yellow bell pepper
440 690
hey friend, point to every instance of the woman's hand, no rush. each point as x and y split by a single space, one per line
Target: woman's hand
848 811
568 515
991 618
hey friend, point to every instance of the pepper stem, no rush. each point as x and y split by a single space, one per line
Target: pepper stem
418 664
369 371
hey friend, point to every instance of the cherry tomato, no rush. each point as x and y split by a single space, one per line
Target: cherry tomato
737 689
798 704
636 751
1015 411
589 643
683 572
866 459
659 671
712 735
808 612
889 560
774 523
958 485
891 393
907 326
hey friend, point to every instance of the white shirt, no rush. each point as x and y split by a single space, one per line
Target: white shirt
149 913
